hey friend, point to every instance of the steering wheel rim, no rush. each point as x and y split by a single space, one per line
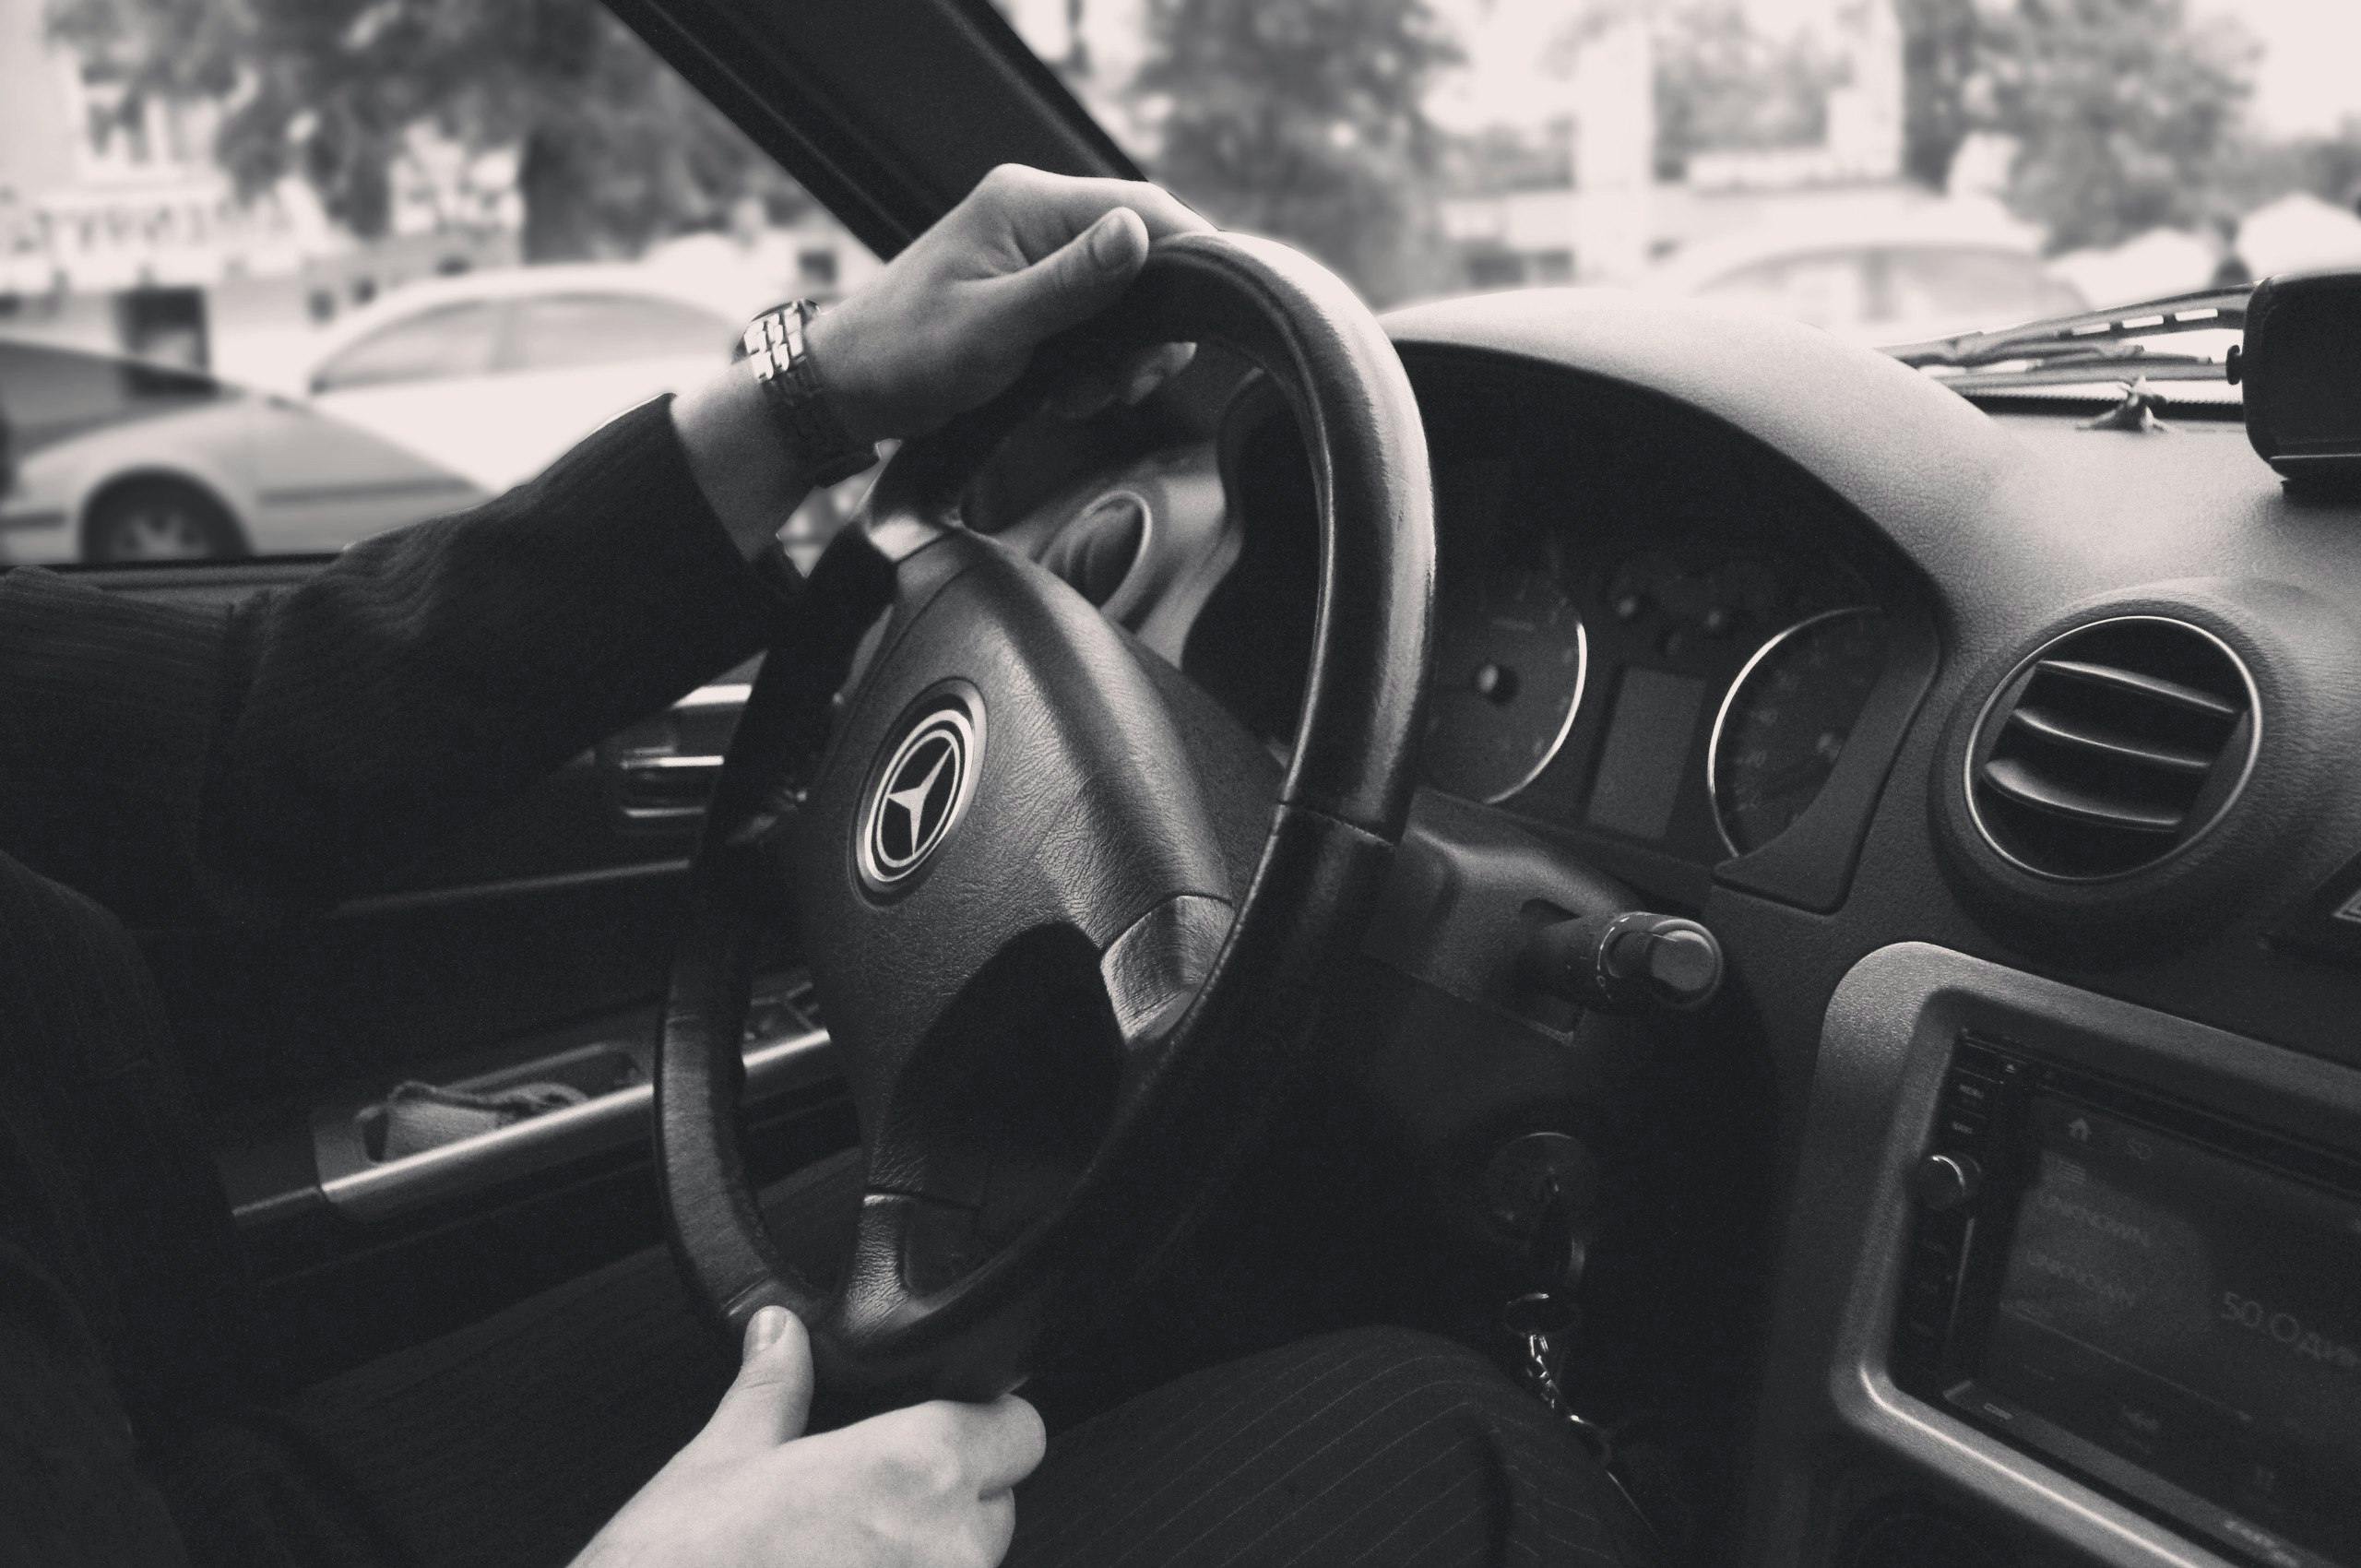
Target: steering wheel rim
1212 1007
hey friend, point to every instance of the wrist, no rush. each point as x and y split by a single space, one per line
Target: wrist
747 467
833 337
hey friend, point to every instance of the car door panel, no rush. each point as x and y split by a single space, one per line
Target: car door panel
532 946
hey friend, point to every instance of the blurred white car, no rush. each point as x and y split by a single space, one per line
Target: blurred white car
431 400
111 460
491 375
1892 277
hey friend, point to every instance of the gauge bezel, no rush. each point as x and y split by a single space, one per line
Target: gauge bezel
1729 699
1566 724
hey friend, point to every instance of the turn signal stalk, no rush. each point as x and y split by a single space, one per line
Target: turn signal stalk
1625 962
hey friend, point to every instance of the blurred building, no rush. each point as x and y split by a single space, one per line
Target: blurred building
119 232
1609 221
115 227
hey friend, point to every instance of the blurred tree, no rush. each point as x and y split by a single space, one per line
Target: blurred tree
2326 166
613 148
1305 120
1723 83
1941 53
2124 113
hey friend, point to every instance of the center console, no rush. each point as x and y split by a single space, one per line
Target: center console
2070 1280
2154 1297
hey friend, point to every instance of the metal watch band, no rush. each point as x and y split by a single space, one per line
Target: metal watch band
781 354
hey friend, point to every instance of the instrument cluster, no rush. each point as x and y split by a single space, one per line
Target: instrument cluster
1684 674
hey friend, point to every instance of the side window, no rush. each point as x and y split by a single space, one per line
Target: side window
447 342
372 283
565 330
49 394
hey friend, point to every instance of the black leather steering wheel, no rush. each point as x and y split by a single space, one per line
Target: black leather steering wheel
1065 998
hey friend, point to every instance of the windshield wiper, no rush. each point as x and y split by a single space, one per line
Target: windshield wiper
2068 347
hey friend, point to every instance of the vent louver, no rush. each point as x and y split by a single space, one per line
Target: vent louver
2112 748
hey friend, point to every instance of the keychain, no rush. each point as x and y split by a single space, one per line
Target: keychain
1544 1322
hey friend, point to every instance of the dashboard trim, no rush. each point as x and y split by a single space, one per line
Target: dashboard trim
1729 697
1565 725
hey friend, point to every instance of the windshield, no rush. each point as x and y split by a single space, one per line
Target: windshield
1888 170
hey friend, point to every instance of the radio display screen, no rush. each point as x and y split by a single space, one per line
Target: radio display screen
2194 1314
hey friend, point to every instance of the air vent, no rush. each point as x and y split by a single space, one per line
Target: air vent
2112 748
1095 553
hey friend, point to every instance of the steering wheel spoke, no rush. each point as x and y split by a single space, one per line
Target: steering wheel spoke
1154 969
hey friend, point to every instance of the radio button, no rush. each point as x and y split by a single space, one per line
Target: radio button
1946 1182
1971 1092
1959 1127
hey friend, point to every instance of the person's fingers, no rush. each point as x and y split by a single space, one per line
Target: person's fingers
1150 368
1003 1441
1130 380
995 1527
1077 282
1163 212
771 1397
1043 211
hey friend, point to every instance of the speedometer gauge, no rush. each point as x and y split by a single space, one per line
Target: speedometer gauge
1509 671
1785 721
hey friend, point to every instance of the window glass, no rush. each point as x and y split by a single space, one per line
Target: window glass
368 221
435 345
49 394
1979 288
1826 291
1426 148
566 330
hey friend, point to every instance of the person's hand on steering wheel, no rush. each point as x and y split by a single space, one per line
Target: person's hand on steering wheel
949 324
925 1487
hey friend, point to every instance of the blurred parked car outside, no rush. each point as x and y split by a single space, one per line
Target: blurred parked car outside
1916 271
491 375
118 460
436 396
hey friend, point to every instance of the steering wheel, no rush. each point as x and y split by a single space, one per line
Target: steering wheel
1066 995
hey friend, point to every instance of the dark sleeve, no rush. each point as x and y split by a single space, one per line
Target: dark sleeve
170 760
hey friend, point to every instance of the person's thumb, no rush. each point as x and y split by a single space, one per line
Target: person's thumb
771 1396
1081 277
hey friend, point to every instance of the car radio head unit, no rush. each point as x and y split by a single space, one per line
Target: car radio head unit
2167 1303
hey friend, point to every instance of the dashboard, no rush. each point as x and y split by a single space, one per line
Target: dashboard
1676 653
1977 736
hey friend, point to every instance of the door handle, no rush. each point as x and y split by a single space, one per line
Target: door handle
661 771
664 786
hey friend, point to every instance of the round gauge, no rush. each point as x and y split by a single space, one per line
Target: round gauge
1785 721
1508 676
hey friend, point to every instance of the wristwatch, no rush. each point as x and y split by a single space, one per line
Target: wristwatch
777 346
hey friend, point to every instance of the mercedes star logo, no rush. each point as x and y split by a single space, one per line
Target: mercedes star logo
919 794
